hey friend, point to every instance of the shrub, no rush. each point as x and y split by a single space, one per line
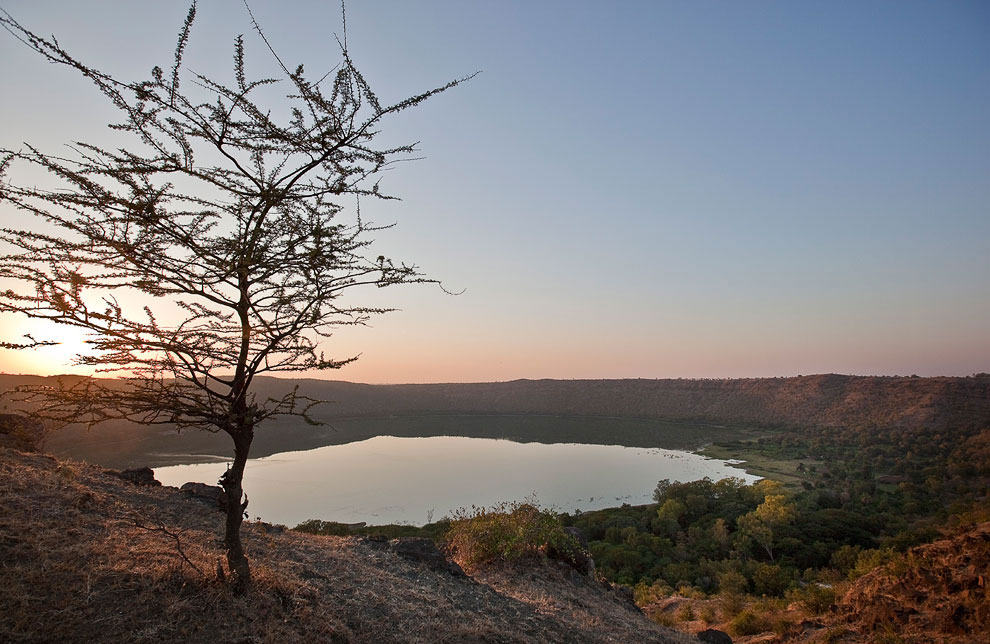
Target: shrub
770 579
731 603
432 531
645 594
732 582
316 526
691 592
782 626
747 623
686 613
664 619
814 598
507 532
870 559
707 614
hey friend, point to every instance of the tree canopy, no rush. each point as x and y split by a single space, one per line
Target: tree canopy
216 247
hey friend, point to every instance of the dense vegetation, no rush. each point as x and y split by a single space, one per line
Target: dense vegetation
836 504
857 497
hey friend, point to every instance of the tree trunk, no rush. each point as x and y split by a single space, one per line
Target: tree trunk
231 481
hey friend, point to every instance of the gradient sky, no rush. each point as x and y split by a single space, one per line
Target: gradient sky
632 189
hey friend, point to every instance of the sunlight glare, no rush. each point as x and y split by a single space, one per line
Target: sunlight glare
49 360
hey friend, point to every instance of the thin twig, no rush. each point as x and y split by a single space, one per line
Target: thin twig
160 528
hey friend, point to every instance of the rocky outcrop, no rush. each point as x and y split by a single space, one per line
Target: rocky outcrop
714 636
20 432
425 552
936 591
139 476
211 495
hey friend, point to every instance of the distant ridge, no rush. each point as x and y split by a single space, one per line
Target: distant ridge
829 400
826 400
942 404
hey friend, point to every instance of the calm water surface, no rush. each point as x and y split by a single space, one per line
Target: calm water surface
409 480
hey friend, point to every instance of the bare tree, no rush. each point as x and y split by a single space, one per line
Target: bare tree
210 251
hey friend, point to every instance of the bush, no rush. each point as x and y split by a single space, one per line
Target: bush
432 531
782 626
870 559
316 526
731 603
747 623
645 594
686 613
814 598
731 581
664 619
770 579
707 614
507 532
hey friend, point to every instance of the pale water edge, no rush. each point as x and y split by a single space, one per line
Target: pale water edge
413 480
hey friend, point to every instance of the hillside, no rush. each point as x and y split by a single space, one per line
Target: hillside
937 592
86 556
822 400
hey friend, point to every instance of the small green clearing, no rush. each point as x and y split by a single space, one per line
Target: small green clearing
753 460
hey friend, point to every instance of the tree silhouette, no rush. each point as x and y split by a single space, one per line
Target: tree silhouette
211 250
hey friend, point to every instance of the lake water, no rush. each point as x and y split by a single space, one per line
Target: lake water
412 480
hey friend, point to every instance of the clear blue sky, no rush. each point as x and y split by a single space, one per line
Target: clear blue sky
633 189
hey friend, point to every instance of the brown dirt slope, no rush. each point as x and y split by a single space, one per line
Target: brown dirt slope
87 557
939 592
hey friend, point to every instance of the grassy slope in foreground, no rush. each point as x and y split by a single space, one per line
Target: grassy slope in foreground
87 557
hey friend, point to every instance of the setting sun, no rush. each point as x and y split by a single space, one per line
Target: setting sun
45 360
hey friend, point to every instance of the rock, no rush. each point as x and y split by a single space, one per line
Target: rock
209 494
712 636
425 552
270 528
20 432
376 541
139 476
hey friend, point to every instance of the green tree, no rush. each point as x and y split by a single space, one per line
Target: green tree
766 519
668 518
720 533
225 228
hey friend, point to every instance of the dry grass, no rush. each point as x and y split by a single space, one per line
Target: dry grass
86 557
581 603
77 566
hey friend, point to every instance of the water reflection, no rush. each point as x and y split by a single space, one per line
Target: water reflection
407 480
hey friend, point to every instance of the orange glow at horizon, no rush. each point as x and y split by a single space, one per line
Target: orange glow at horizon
47 360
